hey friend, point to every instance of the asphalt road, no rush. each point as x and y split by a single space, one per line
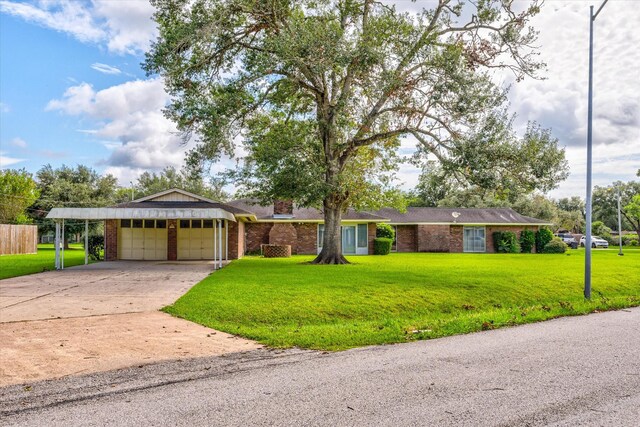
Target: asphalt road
566 372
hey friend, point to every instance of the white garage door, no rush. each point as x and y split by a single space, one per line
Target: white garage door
195 239
143 239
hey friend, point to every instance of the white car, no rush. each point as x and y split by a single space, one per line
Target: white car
596 242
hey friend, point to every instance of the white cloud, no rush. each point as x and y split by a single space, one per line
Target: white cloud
18 142
125 27
105 69
6 161
129 122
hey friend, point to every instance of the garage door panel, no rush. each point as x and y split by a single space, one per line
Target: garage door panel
143 243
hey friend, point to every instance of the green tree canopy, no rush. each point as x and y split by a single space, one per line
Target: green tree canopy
334 84
193 182
72 187
18 191
605 204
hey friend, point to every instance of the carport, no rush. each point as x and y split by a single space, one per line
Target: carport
172 225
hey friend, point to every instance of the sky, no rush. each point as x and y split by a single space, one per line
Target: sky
72 90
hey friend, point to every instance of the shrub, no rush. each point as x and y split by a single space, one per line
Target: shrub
543 236
386 231
96 245
555 246
382 246
507 242
527 241
633 242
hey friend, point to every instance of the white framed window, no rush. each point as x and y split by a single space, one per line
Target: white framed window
355 239
474 239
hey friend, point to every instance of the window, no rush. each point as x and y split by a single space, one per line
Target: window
185 223
207 223
196 223
320 235
137 223
149 223
474 239
362 236
161 223
125 223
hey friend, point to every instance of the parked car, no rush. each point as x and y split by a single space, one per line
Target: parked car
596 242
569 239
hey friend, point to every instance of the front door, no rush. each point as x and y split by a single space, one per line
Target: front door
349 239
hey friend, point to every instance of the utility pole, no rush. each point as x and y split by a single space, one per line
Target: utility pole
587 243
619 225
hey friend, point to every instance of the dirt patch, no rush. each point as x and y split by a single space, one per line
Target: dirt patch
46 349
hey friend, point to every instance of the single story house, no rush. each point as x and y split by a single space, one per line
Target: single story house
178 225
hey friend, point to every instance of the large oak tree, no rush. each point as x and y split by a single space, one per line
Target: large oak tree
321 90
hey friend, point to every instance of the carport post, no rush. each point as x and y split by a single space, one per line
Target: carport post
86 241
215 226
56 244
220 246
226 246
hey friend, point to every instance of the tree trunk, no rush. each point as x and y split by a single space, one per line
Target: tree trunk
66 242
332 244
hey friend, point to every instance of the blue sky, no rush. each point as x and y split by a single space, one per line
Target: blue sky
72 90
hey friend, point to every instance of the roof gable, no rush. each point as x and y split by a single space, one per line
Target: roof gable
173 195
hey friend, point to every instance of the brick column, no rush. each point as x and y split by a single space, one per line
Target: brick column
371 232
172 239
110 239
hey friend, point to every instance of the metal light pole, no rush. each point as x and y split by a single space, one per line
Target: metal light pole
619 225
587 242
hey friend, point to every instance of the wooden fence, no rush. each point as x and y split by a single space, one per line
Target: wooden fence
18 239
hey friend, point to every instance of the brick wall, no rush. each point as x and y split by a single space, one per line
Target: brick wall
283 207
111 239
455 240
371 235
433 238
172 239
307 238
236 239
257 233
406 238
284 234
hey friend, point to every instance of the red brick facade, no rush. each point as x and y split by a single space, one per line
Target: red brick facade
257 233
283 207
282 234
307 238
172 239
433 238
111 239
456 243
236 239
406 238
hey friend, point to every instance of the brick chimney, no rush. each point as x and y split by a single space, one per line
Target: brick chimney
283 207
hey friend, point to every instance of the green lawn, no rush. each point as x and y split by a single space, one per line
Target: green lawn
19 265
402 297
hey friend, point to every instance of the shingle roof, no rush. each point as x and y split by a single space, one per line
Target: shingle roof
416 215
264 213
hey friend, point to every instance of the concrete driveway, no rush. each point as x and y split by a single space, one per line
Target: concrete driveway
100 317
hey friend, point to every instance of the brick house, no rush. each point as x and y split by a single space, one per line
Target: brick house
178 225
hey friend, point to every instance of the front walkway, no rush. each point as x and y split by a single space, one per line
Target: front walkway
100 317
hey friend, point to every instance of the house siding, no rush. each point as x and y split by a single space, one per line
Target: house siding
236 239
257 234
284 234
455 238
406 238
307 243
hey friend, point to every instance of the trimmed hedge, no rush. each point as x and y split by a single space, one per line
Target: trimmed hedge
386 231
543 236
555 246
382 245
527 241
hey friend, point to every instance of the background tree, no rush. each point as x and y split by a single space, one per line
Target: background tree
354 76
72 187
632 213
18 191
605 204
151 182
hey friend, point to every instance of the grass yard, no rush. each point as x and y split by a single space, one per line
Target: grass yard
402 297
19 265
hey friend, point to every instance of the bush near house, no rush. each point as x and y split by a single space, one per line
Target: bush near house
555 246
506 242
382 246
543 236
386 231
527 241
